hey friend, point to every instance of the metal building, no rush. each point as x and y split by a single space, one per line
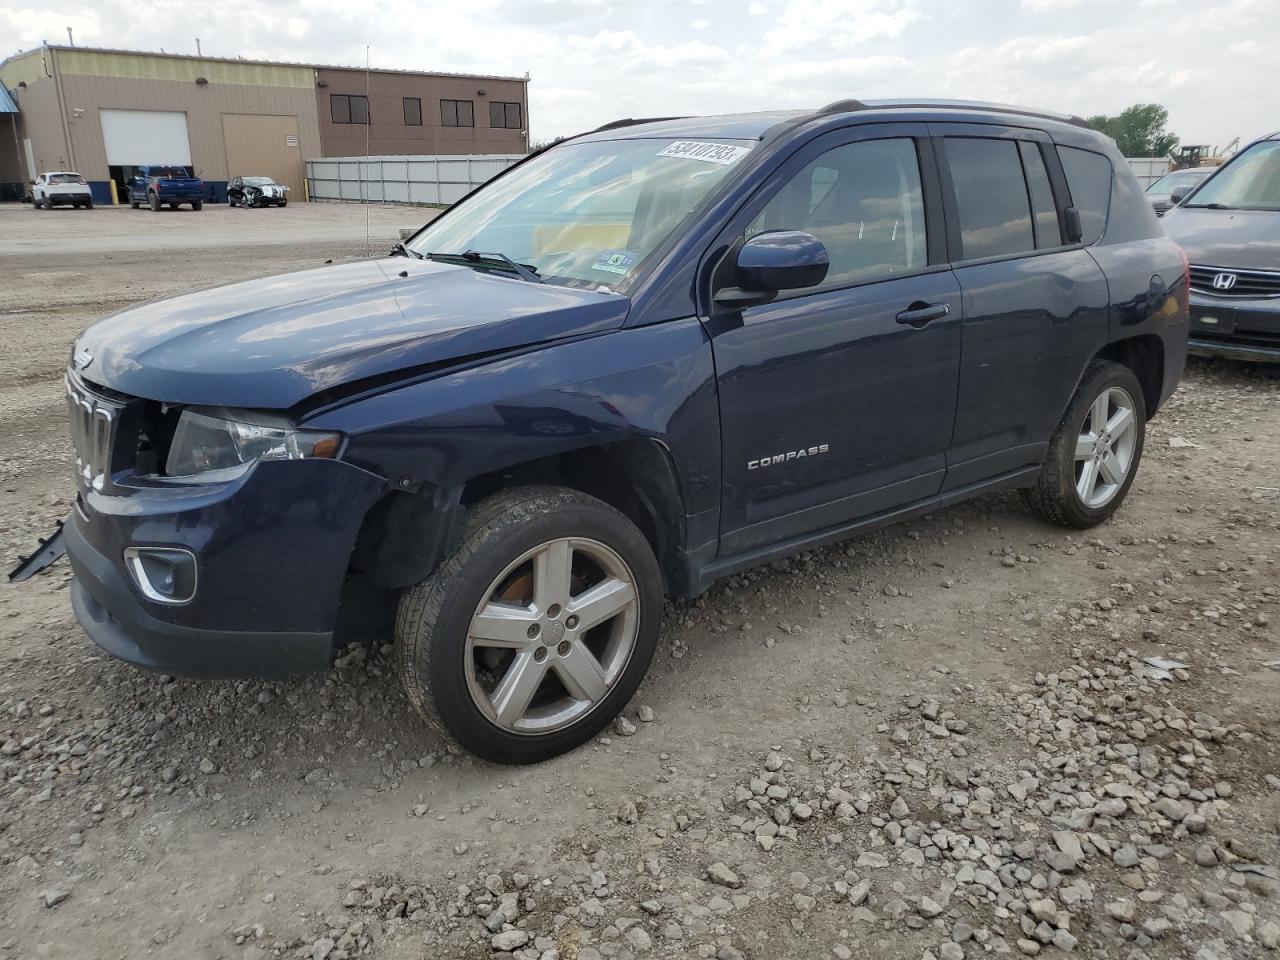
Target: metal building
104 112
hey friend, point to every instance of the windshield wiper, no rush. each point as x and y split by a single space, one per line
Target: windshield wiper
523 271
398 249
1209 206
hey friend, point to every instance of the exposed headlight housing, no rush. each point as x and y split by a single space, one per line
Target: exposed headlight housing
223 444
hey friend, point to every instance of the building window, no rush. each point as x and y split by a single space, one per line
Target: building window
457 113
412 112
505 115
348 108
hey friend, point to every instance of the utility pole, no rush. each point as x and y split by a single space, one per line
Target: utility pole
71 41
198 53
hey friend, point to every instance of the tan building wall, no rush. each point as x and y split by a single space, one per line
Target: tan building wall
204 104
40 120
388 135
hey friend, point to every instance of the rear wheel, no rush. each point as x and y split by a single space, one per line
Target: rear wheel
154 200
88 204
537 631
1094 456
195 204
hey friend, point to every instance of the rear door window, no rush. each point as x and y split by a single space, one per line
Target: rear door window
991 197
1089 179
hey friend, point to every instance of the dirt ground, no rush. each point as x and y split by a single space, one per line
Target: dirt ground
939 741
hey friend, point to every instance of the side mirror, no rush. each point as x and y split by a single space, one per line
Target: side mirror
1071 220
775 261
1178 195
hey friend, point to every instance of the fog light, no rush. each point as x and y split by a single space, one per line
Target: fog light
163 574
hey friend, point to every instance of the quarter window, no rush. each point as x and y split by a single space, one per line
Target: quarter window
457 113
505 115
991 197
1089 179
864 202
348 108
412 111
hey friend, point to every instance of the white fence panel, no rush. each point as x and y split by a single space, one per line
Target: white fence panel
1149 169
420 179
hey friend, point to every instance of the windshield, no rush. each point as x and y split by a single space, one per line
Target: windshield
1251 181
258 181
586 213
1179 180
66 178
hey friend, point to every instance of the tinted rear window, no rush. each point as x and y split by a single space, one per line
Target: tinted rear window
991 197
1089 179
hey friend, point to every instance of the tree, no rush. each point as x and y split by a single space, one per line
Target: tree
1139 131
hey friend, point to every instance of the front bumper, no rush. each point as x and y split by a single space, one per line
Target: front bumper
1238 328
272 549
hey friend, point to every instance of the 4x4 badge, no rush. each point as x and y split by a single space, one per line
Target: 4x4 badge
81 358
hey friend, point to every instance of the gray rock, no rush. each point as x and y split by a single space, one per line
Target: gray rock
510 940
719 873
859 892
951 951
638 937
929 908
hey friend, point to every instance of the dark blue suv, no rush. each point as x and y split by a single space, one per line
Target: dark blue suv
636 362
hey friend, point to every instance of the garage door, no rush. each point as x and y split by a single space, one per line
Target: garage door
264 146
137 137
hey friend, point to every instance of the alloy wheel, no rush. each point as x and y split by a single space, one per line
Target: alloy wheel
552 636
1105 446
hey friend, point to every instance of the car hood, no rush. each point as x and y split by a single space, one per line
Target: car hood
274 342
1244 239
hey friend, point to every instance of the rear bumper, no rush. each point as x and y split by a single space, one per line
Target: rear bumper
271 551
1235 327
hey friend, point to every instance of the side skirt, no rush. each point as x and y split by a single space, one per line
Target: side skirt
701 579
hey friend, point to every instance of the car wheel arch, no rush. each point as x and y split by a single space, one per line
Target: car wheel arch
408 533
1144 355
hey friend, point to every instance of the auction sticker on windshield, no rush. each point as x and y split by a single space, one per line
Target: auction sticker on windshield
722 153
615 261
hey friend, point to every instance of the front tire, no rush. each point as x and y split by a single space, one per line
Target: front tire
154 201
1094 455
196 204
532 636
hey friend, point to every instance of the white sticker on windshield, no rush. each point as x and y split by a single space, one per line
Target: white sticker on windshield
722 153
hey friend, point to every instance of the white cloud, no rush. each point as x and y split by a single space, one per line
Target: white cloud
597 60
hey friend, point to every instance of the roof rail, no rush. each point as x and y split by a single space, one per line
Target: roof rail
849 106
631 122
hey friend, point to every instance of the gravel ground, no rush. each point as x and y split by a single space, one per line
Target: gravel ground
944 740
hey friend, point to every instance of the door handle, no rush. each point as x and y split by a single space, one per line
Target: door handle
920 313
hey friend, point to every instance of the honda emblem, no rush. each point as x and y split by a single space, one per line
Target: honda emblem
1224 281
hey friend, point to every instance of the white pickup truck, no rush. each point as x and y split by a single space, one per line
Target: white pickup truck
61 187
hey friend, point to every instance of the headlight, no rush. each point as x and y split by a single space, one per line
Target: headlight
219 448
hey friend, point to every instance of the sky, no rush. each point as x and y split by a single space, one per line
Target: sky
1212 64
